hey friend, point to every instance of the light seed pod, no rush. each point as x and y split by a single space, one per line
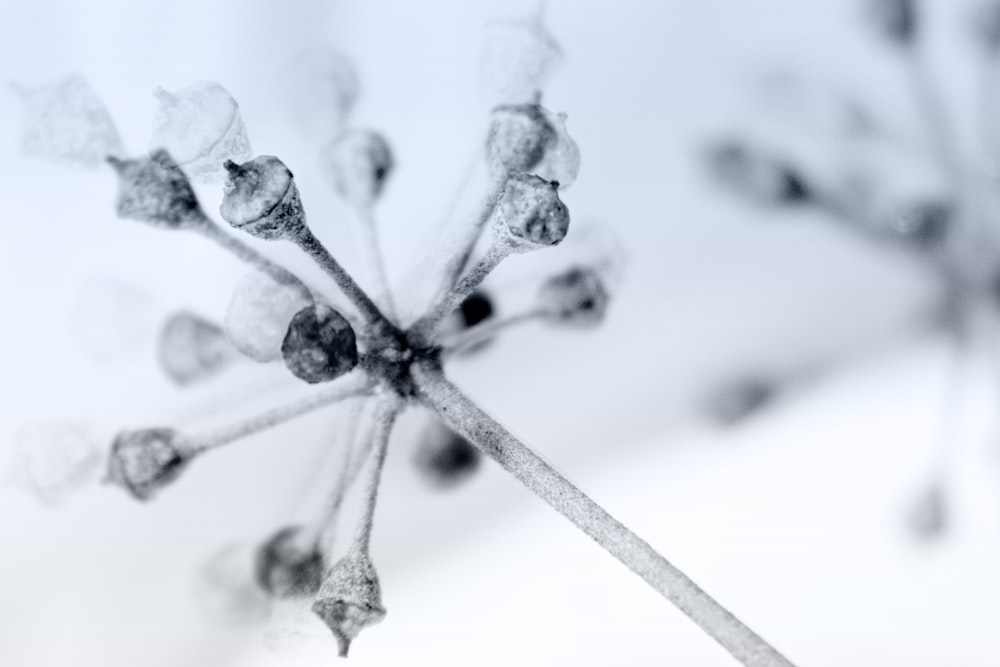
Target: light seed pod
286 567
192 349
519 57
261 199
350 599
321 88
144 461
201 126
56 459
518 138
358 163
225 588
258 315
530 214
320 345
577 297
155 190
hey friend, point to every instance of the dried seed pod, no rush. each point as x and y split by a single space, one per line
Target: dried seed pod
350 599
320 345
519 57
257 318
287 566
757 176
54 460
359 163
261 198
155 190
896 20
923 224
577 297
66 122
530 214
201 126
444 458
192 349
476 308
144 461
531 139
225 587
321 88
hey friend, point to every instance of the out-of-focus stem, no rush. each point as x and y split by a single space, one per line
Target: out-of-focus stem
467 419
371 251
471 337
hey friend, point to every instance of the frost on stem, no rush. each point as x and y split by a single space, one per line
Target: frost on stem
320 345
192 349
350 598
156 191
144 461
55 460
66 122
201 126
258 315
358 163
289 564
261 199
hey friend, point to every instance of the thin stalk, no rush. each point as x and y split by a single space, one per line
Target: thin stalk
385 416
355 384
247 254
369 311
463 185
466 418
423 329
482 332
371 251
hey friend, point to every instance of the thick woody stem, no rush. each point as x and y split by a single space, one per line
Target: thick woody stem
355 384
467 419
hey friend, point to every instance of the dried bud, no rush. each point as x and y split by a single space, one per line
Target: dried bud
144 461
577 297
261 199
200 125
54 460
519 57
444 458
757 176
358 163
923 224
289 565
350 599
258 315
896 20
530 214
192 349
156 191
320 345
67 122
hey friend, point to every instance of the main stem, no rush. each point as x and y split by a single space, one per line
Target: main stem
466 418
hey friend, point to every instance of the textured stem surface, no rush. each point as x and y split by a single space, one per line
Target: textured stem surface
385 416
482 332
467 419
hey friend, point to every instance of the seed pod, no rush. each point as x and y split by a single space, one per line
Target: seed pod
192 349
54 460
757 176
201 126
155 190
530 214
519 57
358 163
261 198
444 458
258 315
350 599
531 139
286 567
66 122
144 461
321 88
923 224
577 297
476 308
896 20
320 345
225 588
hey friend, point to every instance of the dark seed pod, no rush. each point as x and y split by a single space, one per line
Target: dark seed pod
155 190
286 567
320 345
359 163
144 461
518 138
475 309
350 599
896 20
261 198
923 224
446 459
192 349
740 400
576 297
928 518
757 176
530 214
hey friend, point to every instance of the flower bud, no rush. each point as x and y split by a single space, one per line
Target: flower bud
350 599
192 349
320 345
200 125
358 163
56 459
577 297
286 566
530 214
444 458
155 190
67 122
261 199
144 461
258 315
896 20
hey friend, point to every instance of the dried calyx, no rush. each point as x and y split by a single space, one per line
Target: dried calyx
156 191
261 199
